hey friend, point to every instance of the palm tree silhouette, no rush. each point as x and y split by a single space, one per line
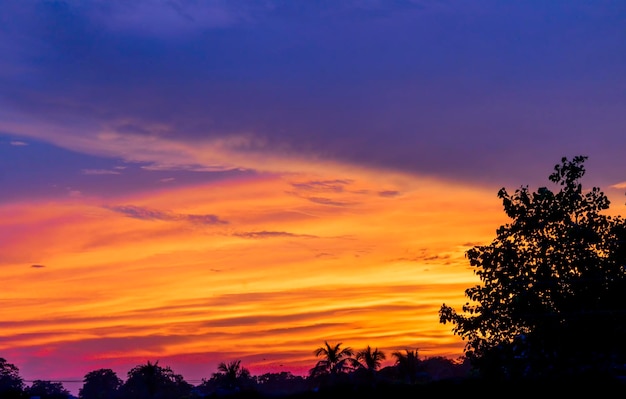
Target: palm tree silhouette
370 359
232 374
334 360
407 364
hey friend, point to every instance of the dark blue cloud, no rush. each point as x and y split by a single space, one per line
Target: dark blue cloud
483 90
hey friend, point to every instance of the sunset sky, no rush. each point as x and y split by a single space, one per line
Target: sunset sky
204 181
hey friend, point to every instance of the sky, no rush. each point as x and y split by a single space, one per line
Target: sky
203 181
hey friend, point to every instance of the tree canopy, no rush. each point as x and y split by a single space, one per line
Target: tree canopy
151 381
232 375
11 384
371 358
408 364
553 294
334 360
100 384
47 390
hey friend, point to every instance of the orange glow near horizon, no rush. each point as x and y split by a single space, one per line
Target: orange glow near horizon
261 269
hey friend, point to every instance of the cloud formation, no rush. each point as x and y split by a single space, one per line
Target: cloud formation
143 213
389 193
348 147
334 186
374 88
329 201
271 234
96 172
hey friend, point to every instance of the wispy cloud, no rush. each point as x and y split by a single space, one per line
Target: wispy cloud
173 18
37 266
99 172
326 191
143 213
389 193
271 234
620 186
400 125
328 201
18 143
335 186
165 166
284 268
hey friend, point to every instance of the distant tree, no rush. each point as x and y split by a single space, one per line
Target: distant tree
100 384
553 294
441 368
11 384
232 376
335 360
151 381
47 390
282 383
407 365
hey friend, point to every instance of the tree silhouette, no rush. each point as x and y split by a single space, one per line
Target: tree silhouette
232 375
366 366
407 364
47 390
11 384
100 384
552 299
283 383
335 360
371 359
151 381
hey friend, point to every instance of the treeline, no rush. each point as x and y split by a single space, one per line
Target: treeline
337 366
340 372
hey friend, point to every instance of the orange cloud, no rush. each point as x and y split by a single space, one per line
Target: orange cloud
162 275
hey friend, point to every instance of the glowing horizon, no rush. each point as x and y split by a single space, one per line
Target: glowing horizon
185 272
187 276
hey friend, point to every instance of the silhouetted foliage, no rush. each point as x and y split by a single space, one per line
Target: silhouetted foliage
443 368
333 367
151 381
47 390
11 384
368 362
553 294
282 383
408 365
334 360
232 376
100 384
370 359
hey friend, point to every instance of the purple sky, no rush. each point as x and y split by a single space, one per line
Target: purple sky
115 100
488 91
